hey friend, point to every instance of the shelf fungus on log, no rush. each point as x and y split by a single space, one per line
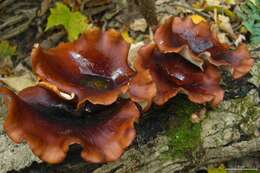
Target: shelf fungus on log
50 124
197 42
171 74
94 67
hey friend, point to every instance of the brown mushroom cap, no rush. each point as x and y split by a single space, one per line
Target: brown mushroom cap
50 124
177 33
171 73
94 67
142 89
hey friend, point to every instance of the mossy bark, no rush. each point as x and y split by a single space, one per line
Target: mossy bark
168 142
228 132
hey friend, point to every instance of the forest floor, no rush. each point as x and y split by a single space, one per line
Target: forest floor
234 146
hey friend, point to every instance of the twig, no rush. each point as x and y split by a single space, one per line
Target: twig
6 3
148 10
192 9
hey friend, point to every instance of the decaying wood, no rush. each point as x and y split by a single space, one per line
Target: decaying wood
149 160
228 133
222 139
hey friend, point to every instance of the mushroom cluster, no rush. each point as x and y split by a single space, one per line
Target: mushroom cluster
76 100
185 58
78 97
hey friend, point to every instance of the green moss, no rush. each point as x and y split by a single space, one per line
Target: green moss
220 169
184 136
6 50
250 171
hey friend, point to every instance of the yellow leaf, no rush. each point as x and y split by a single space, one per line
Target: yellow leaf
197 19
230 2
126 36
197 4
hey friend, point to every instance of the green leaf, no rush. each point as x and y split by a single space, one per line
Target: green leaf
249 12
6 50
74 22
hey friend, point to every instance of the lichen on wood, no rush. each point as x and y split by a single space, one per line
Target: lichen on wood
255 72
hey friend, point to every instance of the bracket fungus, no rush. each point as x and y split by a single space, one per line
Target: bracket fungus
50 124
94 67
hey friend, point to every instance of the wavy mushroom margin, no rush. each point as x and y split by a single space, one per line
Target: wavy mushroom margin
166 74
49 124
94 68
195 41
